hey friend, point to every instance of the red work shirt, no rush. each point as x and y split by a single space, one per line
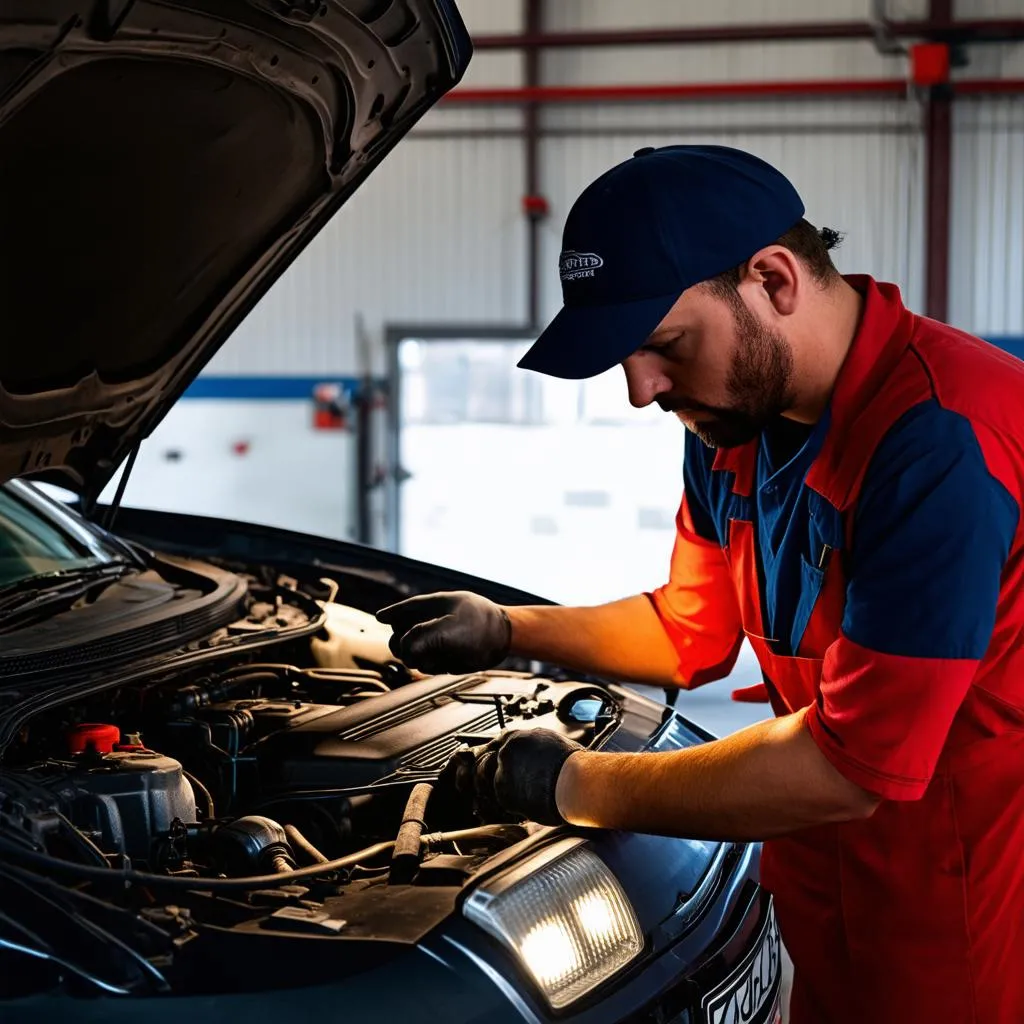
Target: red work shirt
876 566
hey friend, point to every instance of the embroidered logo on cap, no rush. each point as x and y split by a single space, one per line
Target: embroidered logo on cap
574 265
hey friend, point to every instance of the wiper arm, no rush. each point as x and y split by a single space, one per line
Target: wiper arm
34 591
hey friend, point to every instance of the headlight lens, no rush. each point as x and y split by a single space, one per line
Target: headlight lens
565 917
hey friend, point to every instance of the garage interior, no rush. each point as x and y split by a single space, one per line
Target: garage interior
376 382
220 727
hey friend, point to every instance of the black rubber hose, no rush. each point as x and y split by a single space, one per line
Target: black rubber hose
131 877
405 860
203 792
56 865
300 842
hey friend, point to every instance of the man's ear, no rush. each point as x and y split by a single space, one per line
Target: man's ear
772 278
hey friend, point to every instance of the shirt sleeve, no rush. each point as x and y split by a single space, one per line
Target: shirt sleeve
697 606
933 529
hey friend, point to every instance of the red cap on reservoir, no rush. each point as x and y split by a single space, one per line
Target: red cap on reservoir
91 734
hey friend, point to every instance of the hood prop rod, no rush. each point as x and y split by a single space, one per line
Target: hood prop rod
108 523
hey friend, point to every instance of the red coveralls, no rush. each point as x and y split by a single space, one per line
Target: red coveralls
915 914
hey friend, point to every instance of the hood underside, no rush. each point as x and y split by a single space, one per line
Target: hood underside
161 164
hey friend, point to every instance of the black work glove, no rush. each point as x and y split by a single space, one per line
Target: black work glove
459 790
519 771
450 632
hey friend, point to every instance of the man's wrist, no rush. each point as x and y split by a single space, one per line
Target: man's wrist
567 787
514 618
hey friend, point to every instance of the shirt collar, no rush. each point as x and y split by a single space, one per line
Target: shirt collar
882 337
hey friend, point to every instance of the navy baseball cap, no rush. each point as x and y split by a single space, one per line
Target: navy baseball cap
643 233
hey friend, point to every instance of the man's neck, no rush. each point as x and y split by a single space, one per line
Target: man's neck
820 346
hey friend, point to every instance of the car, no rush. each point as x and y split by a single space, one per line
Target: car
221 796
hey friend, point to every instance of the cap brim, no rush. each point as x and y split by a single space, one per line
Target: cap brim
584 341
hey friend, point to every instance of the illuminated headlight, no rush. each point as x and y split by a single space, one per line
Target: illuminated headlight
565 917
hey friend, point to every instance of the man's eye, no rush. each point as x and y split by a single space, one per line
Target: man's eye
663 347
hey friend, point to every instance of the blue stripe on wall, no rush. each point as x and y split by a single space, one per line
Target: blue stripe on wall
301 388
256 388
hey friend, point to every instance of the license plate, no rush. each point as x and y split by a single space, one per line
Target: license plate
751 994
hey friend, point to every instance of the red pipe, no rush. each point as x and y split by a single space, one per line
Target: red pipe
698 90
808 89
988 86
981 30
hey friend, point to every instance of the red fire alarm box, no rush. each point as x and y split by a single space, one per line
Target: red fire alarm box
330 407
929 64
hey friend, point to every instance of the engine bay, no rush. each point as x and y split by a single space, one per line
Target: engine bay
331 753
268 796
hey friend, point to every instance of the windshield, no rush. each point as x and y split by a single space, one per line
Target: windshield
38 537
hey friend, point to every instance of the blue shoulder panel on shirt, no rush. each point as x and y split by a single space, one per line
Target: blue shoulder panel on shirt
709 495
697 461
932 532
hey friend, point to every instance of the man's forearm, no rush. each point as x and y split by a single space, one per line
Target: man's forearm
764 781
623 639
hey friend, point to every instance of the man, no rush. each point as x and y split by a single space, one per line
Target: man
852 489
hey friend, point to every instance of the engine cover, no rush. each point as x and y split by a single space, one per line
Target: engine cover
405 735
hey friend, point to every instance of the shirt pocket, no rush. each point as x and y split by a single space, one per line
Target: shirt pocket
811 579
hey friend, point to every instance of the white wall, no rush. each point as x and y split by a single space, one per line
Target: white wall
260 461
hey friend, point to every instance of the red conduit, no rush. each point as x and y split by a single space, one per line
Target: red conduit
809 89
988 86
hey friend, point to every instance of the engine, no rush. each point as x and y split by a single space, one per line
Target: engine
260 767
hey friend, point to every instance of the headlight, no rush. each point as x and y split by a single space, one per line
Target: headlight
564 916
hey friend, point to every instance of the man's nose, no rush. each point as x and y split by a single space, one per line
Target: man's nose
644 381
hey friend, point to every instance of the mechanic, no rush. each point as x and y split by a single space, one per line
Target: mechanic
853 479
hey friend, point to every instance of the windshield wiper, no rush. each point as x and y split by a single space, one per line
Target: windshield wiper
30 593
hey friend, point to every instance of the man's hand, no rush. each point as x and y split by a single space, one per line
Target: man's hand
450 632
457 789
518 773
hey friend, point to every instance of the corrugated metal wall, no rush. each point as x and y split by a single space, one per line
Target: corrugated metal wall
987 254
610 14
717 62
438 234
435 234
986 8
858 167
987 265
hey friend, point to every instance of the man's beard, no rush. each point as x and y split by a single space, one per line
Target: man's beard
759 383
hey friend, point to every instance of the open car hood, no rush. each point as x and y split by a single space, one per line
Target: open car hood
161 164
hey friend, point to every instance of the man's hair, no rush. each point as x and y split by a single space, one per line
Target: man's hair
812 246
